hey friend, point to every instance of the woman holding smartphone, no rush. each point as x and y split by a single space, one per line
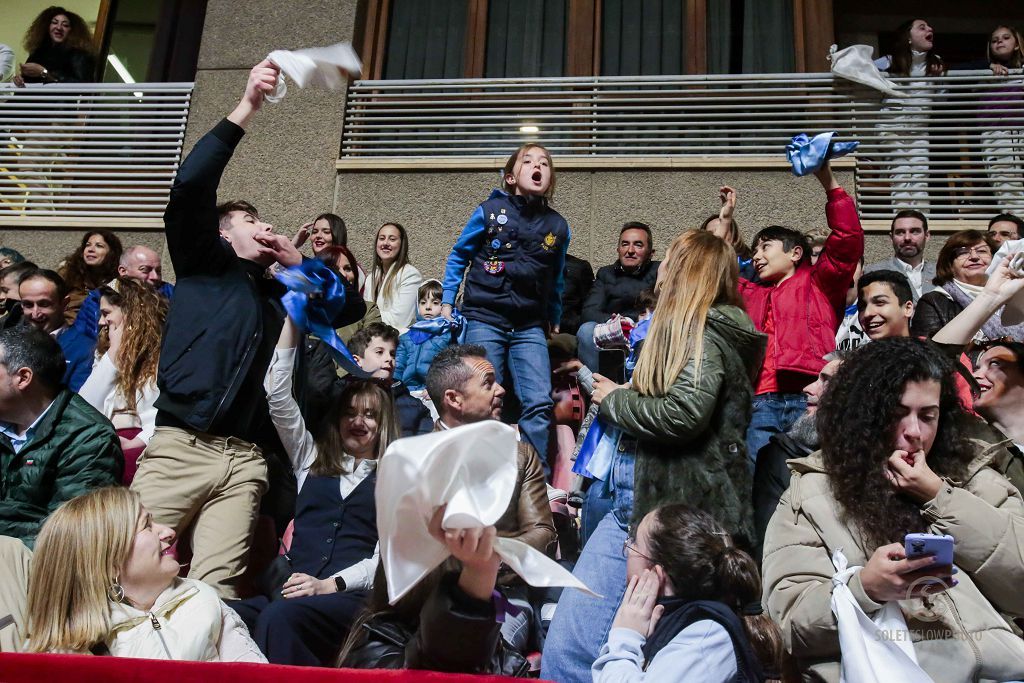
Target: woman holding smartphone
895 460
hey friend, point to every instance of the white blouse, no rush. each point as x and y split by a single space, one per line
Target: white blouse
399 310
100 391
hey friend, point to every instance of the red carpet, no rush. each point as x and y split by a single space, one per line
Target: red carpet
18 668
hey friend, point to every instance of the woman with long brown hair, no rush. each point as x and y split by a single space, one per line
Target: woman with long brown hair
683 424
92 265
321 584
392 282
896 458
122 384
60 48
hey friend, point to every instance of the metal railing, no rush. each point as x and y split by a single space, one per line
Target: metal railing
936 147
90 153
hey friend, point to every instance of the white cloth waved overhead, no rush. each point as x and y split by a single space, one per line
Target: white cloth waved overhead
1013 310
854 63
471 469
323 67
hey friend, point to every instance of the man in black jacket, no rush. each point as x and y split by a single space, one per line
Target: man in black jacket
203 472
617 287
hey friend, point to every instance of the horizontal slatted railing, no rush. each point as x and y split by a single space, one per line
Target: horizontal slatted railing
953 119
90 153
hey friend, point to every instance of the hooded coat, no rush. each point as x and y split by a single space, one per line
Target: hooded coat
692 441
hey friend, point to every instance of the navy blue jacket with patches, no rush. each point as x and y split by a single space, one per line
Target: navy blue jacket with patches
515 250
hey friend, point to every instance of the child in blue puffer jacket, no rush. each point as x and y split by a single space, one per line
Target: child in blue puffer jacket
412 360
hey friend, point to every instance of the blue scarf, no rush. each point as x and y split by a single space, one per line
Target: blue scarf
807 155
422 330
315 297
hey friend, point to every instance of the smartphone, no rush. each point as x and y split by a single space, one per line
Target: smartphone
941 547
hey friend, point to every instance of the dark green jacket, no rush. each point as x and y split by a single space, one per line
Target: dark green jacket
73 451
692 440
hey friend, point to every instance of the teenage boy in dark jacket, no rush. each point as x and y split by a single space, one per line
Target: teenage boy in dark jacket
203 472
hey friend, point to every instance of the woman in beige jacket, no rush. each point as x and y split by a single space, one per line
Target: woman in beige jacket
895 460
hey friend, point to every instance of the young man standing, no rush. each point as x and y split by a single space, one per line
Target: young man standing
203 473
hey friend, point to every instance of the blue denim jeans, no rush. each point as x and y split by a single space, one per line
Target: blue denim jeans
581 622
596 505
525 354
773 414
586 349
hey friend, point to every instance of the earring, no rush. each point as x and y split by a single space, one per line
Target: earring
115 592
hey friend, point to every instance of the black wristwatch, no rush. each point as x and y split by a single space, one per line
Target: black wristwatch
340 583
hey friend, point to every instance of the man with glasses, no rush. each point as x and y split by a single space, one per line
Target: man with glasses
909 235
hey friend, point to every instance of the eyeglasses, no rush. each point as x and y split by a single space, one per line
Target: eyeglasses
627 548
981 250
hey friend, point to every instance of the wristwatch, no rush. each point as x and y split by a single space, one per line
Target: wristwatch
340 583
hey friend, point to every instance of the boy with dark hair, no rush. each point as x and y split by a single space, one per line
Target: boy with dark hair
885 304
374 349
417 348
799 306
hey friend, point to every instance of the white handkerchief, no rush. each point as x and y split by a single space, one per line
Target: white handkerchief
471 469
314 66
854 63
1013 310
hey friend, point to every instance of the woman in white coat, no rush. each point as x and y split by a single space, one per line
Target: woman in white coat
104 580
393 281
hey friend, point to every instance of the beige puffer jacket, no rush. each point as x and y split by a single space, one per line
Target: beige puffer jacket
959 635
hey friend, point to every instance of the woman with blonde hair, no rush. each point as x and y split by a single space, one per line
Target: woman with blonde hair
104 580
122 384
683 424
393 282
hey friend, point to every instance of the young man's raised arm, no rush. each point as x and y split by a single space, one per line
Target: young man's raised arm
190 221
844 247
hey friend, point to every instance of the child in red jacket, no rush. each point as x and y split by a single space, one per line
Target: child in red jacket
799 306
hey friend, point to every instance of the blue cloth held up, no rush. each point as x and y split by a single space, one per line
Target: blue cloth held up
807 155
422 330
315 297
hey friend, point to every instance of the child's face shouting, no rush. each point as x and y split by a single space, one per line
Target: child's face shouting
532 173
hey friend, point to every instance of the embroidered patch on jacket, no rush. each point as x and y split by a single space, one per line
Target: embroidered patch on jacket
494 266
549 241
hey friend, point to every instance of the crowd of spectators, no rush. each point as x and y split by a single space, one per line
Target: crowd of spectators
753 411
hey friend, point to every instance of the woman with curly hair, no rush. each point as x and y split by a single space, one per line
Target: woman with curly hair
895 459
92 265
60 48
122 385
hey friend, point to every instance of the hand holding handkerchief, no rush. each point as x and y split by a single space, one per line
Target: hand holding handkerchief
322 67
470 469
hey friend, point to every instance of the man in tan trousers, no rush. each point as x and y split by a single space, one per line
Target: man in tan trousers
203 473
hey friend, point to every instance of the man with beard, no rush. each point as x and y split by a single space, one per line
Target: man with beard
771 474
894 460
909 235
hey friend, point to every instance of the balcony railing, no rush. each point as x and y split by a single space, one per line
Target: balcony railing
90 154
931 148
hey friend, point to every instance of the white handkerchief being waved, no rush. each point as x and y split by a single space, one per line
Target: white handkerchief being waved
322 67
472 470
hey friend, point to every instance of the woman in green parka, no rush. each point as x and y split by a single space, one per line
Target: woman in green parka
683 422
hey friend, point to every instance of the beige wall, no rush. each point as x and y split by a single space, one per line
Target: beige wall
285 165
434 206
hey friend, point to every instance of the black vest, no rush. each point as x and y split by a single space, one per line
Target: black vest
512 276
332 533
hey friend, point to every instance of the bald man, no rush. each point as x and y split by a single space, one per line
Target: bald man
138 263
